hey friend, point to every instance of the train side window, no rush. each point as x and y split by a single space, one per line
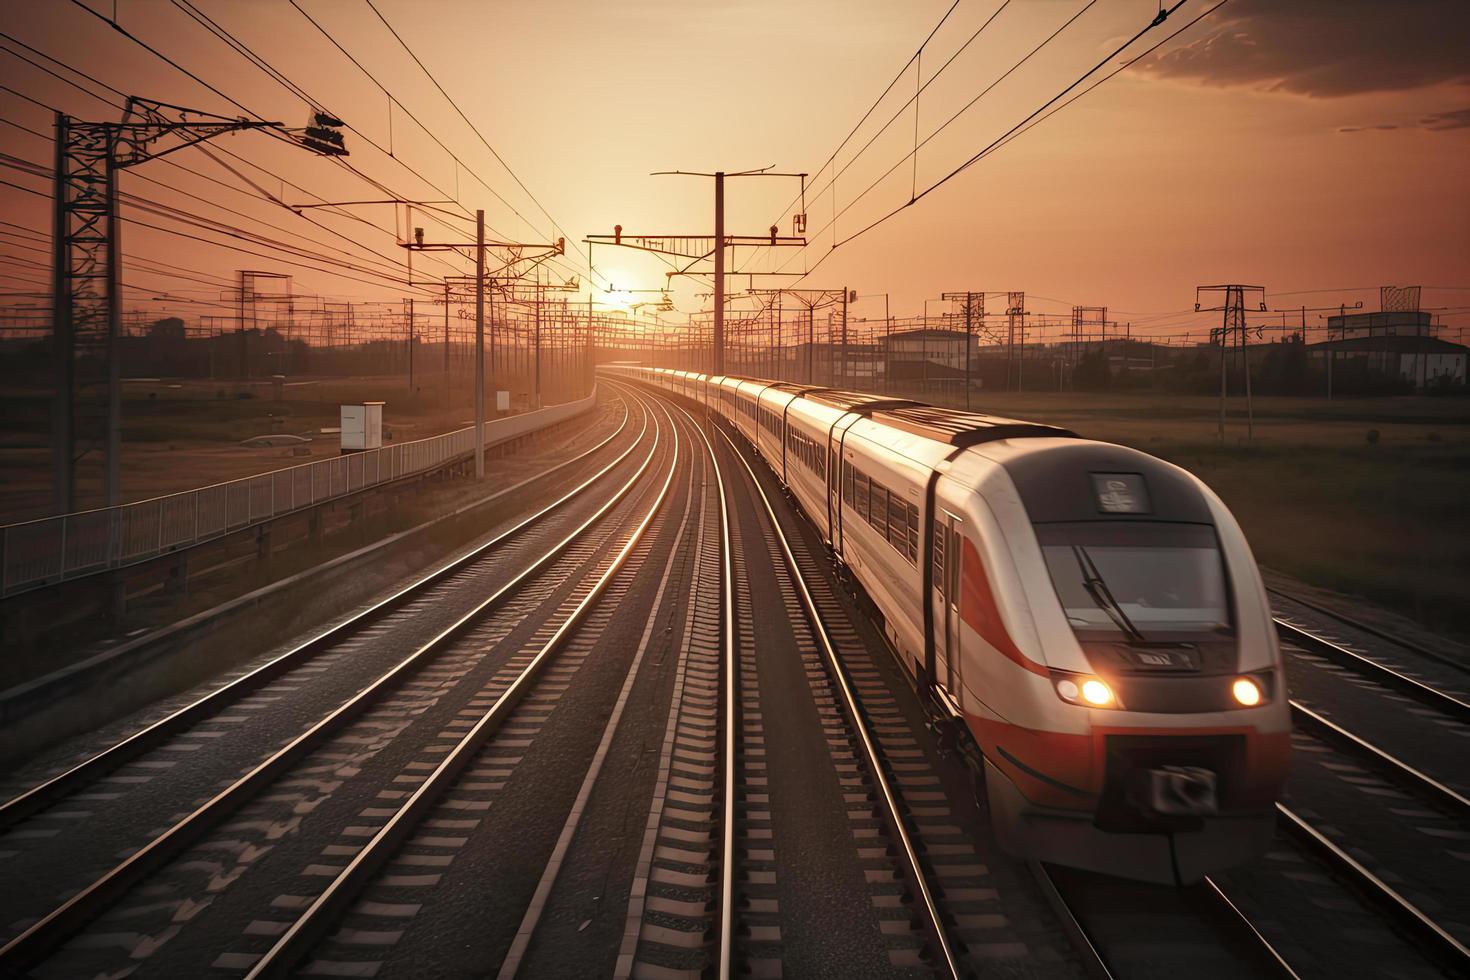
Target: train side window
847 477
860 495
939 555
897 522
912 523
878 507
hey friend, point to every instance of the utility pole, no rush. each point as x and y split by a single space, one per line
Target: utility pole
1016 330
444 383
720 244
240 325
410 344
517 255
887 352
719 325
812 300
970 298
87 266
1082 318
536 372
1232 320
480 344
845 378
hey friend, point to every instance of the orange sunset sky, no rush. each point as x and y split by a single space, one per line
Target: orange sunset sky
1305 145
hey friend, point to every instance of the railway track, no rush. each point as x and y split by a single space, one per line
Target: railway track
944 952
570 832
403 681
1417 649
1199 926
57 787
1451 705
509 689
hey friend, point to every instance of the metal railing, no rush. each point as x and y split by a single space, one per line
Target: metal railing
53 549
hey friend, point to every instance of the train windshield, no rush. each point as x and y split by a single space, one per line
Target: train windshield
1144 581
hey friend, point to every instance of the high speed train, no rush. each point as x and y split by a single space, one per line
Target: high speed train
1089 614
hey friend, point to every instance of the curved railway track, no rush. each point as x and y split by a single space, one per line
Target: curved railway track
1377 672
318 917
946 958
92 901
1418 649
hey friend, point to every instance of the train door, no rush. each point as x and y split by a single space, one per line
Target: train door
948 549
834 488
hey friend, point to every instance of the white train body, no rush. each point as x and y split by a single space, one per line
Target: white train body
1092 614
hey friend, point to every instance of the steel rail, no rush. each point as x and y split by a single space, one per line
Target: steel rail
933 919
1095 965
1371 630
1405 912
42 937
1243 923
303 934
1427 785
513 961
44 794
1374 670
732 679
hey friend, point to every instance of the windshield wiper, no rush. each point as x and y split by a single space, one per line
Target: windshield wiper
1092 580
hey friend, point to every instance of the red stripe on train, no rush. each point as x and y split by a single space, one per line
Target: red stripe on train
978 608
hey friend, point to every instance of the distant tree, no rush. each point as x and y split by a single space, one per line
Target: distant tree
1093 373
1283 370
168 328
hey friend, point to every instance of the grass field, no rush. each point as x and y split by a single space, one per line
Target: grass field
183 434
1385 517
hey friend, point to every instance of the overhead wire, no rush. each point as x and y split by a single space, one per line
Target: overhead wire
473 128
263 194
427 131
919 145
876 102
1160 18
162 209
269 131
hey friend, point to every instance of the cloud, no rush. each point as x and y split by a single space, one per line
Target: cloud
1438 122
1326 48
1454 119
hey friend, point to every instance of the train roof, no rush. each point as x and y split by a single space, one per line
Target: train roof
946 425
963 428
853 401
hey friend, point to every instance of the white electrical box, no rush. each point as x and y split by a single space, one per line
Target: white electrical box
362 426
502 401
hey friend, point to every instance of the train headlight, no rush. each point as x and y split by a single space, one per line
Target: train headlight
1247 692
1079 689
